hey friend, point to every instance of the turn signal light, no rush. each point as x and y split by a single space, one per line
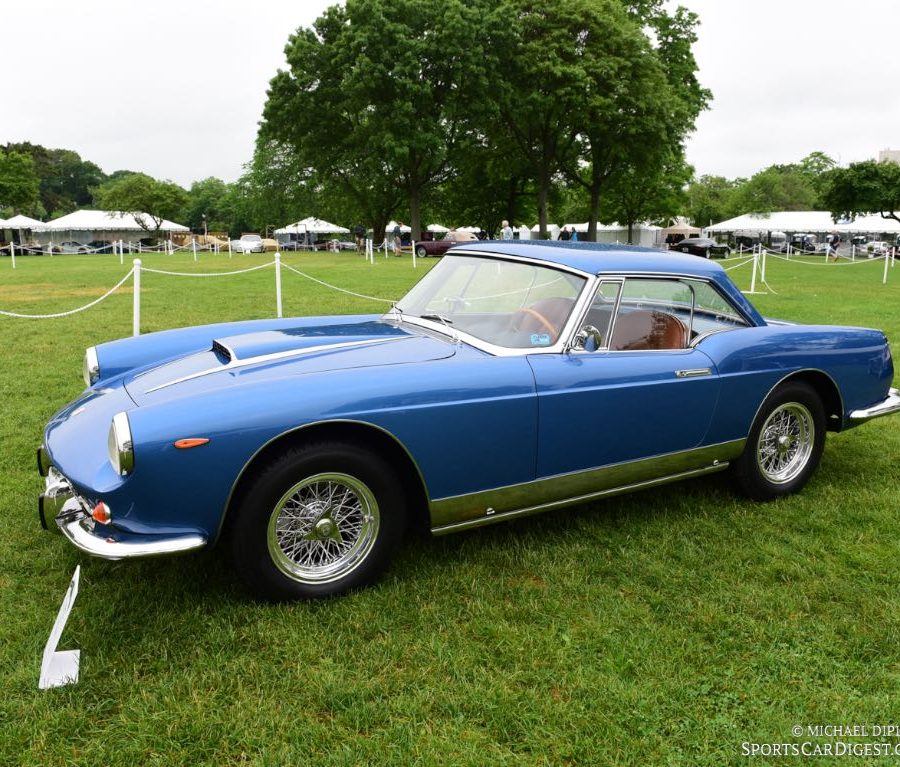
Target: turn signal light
183 444
101 513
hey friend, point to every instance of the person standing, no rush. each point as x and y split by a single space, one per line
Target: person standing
506 233
397 242
574 236
359 232
564 233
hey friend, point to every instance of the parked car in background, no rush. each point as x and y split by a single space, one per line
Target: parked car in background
875 248
706 247
249 243
513 378
71 247
801 242
427 248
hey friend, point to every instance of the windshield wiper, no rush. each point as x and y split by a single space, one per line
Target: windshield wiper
439 317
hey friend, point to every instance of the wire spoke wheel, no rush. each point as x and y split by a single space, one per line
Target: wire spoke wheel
785 443
323 527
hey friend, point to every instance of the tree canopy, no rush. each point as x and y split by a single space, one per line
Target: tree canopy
149 200
864 187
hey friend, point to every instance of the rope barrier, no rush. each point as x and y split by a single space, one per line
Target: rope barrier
797 260
208 274
73 311
335 287
743 263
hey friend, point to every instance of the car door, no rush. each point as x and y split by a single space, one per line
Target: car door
636 390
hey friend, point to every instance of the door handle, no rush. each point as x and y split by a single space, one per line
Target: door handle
693 373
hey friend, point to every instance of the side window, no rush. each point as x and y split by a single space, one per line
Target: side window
653 314
712 312
602 309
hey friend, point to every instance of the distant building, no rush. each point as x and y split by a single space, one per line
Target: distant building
889 155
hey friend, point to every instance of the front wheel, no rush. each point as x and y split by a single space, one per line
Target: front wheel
421 252
784 445
318 521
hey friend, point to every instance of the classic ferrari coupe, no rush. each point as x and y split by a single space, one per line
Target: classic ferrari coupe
513 378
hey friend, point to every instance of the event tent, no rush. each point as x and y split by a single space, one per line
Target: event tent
20 222
437 228
869 225
812 221
312 225
405 229
85 226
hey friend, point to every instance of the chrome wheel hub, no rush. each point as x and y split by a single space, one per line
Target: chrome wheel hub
785 443
323 527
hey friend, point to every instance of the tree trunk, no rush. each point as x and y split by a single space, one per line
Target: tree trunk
594 213
415 211
543 196
630 232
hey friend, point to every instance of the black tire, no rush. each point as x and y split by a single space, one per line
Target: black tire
291 503
784 445
421 252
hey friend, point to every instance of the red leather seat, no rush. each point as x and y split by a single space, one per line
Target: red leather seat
645 329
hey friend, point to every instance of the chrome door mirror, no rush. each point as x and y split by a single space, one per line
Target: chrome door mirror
587 339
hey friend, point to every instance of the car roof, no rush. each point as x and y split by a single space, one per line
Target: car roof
596 257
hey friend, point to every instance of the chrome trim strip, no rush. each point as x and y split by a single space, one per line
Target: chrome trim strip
241 363
693 372
457 512
887 406
107 548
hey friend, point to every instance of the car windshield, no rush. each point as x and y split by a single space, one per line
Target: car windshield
506 303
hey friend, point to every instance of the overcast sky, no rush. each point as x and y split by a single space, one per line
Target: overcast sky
175 88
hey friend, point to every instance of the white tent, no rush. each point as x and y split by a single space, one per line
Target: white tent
869 225
437 228
552 230
20 222
470 229
390 228
812 221
312 225
103 221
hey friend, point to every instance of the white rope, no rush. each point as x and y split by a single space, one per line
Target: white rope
73 311
735 266
825 262
335 287
207 274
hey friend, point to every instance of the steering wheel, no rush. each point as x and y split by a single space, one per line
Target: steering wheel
515 322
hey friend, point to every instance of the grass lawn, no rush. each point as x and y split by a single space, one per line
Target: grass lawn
665 627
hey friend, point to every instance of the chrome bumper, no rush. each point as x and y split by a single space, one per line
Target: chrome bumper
890 404
72 515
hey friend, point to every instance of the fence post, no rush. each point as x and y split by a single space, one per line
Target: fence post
753 278
886 262
136 328
278 284
414 253
12 253
229 245
121 248
763 273
194 246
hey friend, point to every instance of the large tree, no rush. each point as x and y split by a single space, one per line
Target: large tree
149 200
65 179
864 187
377 96
19 183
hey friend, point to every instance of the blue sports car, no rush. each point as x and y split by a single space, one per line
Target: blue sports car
513 378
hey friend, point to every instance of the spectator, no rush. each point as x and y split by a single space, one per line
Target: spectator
359 232
564 233
506 233
574 236
397 241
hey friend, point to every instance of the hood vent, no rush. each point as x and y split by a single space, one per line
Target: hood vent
222 352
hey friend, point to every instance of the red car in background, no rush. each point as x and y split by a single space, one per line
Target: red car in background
439 247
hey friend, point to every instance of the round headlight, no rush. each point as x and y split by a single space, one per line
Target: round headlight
91 367
121 448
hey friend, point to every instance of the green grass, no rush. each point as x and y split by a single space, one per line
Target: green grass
666 627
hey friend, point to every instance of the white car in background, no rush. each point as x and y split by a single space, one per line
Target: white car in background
876 248
249 243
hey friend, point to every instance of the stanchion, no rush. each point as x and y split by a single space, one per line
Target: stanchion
414 253
12 253
278 284
886 260
136 323
194 246
121 252
763 273
229 246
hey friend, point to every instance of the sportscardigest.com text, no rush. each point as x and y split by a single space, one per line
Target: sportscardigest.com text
830 740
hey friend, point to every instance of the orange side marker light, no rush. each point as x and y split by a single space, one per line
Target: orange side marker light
184 444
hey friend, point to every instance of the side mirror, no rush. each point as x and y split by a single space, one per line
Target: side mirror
588 339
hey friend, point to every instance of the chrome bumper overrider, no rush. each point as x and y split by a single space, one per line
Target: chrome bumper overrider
60 503
890 404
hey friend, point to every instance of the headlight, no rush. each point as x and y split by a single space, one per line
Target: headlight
91 366
121 447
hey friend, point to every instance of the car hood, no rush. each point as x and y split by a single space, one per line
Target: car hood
253 357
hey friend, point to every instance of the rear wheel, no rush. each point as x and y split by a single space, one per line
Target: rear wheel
784 445
318 521
421 252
